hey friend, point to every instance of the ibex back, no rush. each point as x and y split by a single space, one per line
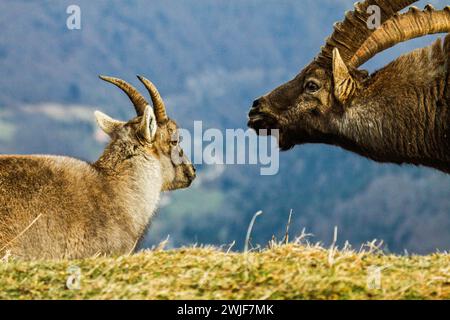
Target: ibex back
58 207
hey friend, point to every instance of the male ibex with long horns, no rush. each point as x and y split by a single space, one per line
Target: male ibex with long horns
399 114
57 207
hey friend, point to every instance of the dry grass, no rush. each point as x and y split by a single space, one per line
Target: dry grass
292 271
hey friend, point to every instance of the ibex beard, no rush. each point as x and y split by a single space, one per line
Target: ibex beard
399 114
57 207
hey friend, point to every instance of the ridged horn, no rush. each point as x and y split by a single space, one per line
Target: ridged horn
412 24
349 35
158 103
136 98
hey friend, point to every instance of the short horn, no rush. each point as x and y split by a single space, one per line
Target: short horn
136 98
158 103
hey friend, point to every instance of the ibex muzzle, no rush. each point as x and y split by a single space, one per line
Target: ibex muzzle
58 207
399 114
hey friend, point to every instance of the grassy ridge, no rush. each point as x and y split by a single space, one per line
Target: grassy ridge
283 272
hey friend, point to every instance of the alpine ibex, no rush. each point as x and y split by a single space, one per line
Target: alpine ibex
399 114
58 207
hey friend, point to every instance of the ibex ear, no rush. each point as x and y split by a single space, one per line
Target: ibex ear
107 124
147 127
344 84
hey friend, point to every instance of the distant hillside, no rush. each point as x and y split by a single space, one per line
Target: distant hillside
210 59
283 272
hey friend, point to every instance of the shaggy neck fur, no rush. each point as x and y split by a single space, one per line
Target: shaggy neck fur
136 180
402 114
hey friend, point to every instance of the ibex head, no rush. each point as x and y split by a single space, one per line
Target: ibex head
151 133
303 108
333 102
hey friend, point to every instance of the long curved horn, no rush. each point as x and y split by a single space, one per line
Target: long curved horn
413 24
136 98
349 35
158 103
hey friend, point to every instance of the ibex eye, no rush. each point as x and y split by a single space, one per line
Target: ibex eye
312 87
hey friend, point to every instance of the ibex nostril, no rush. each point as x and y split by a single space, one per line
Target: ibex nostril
256 103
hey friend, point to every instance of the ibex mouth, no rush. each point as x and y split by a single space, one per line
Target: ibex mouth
262 123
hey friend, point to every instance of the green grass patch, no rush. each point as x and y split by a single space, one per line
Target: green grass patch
194 202
7 131
291 271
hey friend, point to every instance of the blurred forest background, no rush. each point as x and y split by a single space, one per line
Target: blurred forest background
210 60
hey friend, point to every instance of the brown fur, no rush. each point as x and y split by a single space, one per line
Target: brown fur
85 209
399 114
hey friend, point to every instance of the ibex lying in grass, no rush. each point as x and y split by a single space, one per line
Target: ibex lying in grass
57 207
399 114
